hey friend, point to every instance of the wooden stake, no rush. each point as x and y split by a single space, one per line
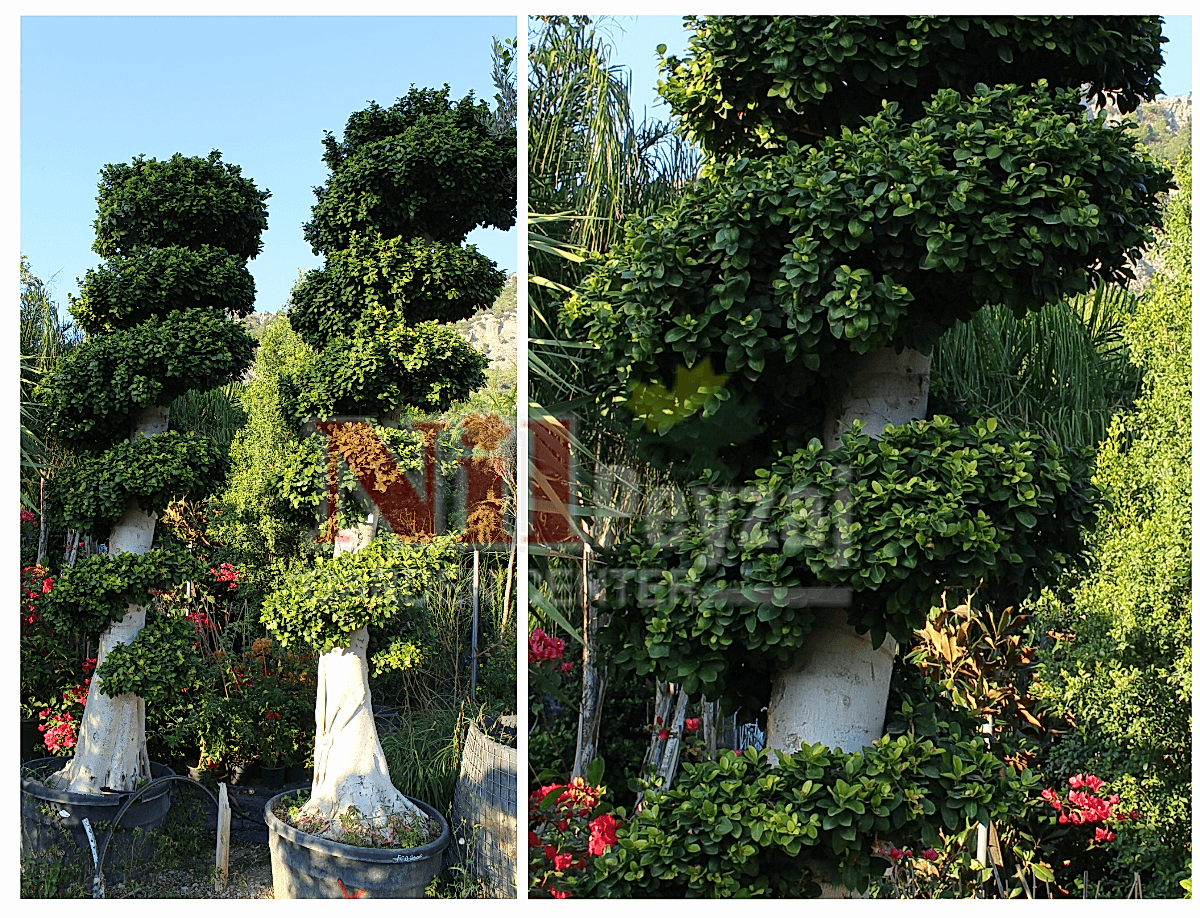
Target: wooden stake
222 839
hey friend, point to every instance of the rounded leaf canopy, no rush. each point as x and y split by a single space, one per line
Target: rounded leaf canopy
101 385
413 279
424 168
751 83
150 281
763 280
152 470
386 580
183 201
928 508
96 592
164 657
384 364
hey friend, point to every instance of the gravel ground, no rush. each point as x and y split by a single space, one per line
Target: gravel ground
249 878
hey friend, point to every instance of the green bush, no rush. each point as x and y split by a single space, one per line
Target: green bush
928 508
98 388
1120 667
125 291
184 201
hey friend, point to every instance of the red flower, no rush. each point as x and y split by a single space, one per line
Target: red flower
691 724
602 834
1103 835
559 893
543 647
663 734
566 667
27 516
562 861
929 854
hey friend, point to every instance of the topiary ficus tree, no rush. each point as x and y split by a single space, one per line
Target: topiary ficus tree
160 318
869 182
407 184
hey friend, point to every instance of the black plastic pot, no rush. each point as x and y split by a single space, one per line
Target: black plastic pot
304 866
272 777
31 736
53 819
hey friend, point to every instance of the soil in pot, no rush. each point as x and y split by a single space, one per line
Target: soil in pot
52 823
305 866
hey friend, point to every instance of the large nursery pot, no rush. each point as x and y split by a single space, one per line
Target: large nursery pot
485 807
304 866
44 825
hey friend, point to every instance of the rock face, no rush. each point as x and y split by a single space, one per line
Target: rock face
494 332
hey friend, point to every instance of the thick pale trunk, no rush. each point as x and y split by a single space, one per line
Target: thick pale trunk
834 690
110 752
349 767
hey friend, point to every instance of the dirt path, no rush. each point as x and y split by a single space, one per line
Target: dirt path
249 878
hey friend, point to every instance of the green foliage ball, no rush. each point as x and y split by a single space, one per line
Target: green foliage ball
148 281
184 201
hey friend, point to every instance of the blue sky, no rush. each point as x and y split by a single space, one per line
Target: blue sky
262 90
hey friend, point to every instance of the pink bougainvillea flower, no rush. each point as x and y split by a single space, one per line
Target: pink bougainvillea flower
566 667
543 647
929 854
27 516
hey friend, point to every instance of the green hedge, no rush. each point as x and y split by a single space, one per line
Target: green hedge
98 389
928 507
153 281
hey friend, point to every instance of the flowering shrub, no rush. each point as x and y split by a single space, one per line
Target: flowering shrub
569 825
544 647
60 720
30 532
226 575
35 582
50 663
1085 807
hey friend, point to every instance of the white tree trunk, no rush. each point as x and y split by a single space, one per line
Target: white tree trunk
349 767
834 690
110 752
